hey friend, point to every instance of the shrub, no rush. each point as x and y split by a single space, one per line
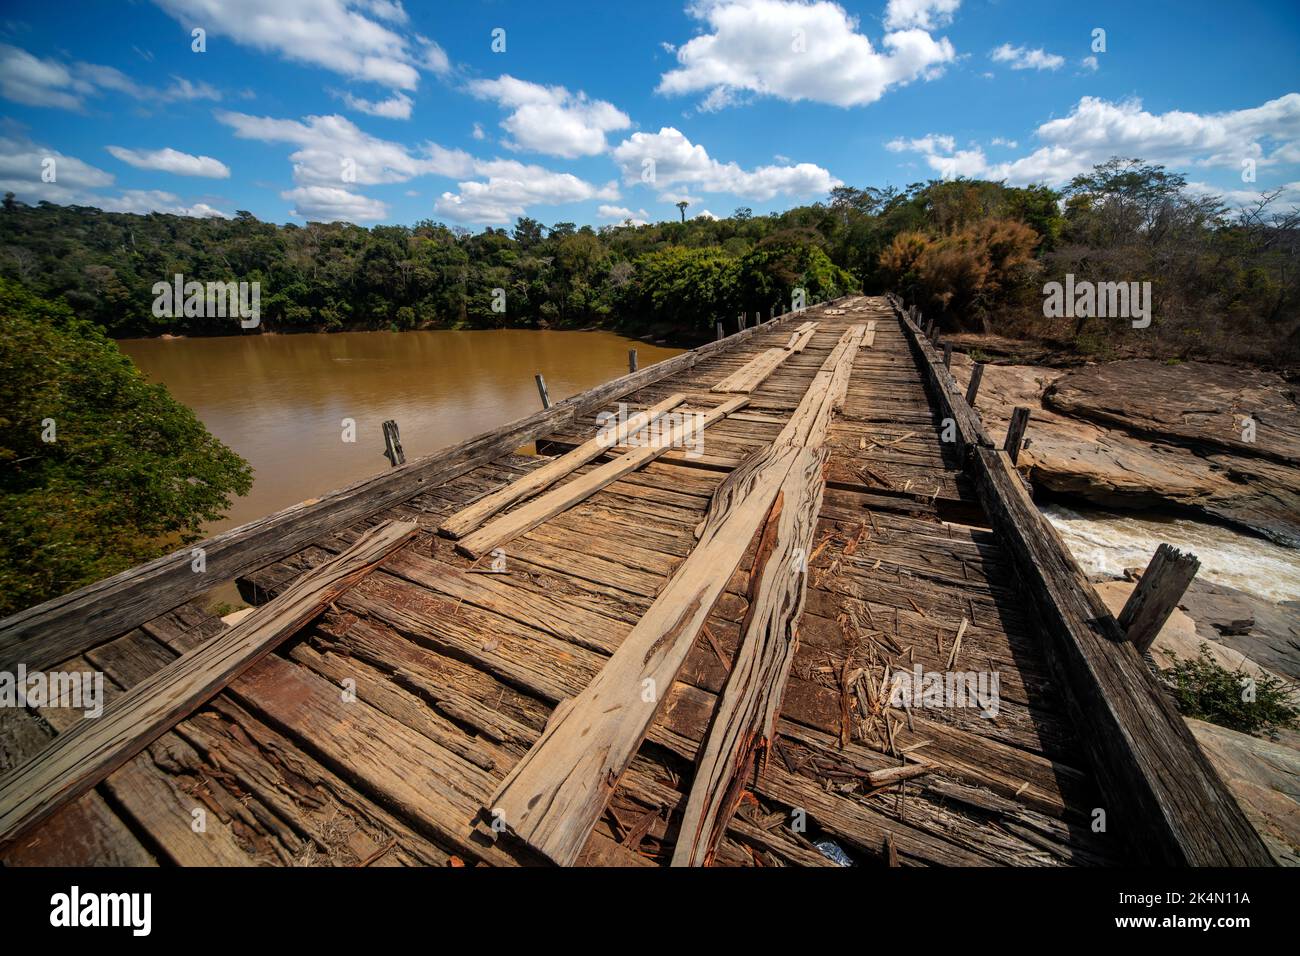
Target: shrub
1204 689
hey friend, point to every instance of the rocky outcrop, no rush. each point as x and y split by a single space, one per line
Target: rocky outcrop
1264 775
1139 433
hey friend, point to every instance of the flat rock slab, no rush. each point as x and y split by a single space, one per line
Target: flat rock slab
1104 434
1199 402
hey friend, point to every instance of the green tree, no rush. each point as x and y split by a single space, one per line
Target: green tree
102 469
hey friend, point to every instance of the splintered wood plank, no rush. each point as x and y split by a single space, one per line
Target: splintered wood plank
554 795
467 519
88 752
800 336
529 516
746 715
750 375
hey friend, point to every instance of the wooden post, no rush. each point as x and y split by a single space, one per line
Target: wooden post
541 390
1157 594
1016 432
393 444
719 330
947 355
973 389
631 360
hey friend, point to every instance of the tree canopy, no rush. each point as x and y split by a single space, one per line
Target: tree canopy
100 466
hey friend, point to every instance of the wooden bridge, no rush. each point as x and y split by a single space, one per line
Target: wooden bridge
727 637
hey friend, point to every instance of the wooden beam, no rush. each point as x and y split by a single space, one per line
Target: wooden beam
1157 594
976 375
1016 433
554 795
539 479
393 445
541 390
753 373
944 388
1162 798
529 516
745 719
91 749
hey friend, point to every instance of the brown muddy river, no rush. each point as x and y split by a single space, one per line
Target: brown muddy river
280 400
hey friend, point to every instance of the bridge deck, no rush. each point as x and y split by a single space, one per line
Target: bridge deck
455 672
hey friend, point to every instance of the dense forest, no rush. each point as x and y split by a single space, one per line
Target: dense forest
974 254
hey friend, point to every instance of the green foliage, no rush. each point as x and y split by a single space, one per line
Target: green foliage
974 252
128 469
1204 689
682 288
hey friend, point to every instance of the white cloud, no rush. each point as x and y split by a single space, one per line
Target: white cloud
478 133
1022 58
1090 63
510 188
397 106
550 119
676 161
333 203
34 81
333 153
37 82
169 160
144 201
622 214
1097 129
331 145
800 50
348 37
22 163
75 182
926 14
1288 195
931 143
705 214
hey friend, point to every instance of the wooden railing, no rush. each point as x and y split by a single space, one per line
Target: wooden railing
1162 794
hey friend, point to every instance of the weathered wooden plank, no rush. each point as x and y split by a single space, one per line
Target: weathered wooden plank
517 522
553 796
467 519
1157 594
1164 798
77 760
970 429
747 710
751 375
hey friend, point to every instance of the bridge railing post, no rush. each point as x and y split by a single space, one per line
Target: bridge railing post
393 444
1016 433
541 390
1156 595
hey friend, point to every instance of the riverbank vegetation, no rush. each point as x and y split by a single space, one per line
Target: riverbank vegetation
974 254
98 467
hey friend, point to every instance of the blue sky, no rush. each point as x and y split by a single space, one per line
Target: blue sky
382 112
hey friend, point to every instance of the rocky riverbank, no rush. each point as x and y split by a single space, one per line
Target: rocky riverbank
1217 439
